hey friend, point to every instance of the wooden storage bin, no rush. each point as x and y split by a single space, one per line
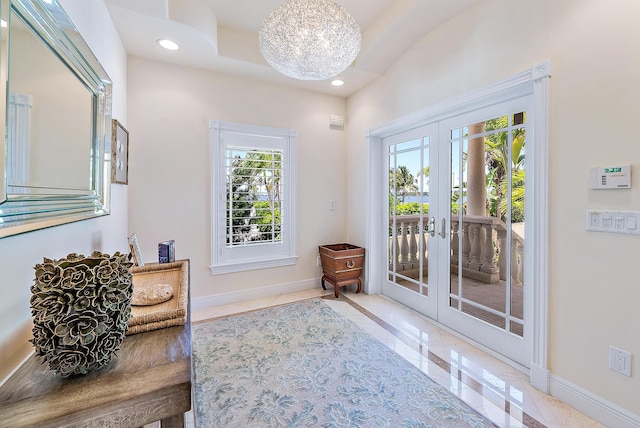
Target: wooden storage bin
341 265
166 314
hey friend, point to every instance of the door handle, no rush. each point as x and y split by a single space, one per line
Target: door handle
443 232
432 226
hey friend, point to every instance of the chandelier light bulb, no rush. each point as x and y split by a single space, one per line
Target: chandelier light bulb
310 39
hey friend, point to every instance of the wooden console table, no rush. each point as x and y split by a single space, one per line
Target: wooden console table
149 380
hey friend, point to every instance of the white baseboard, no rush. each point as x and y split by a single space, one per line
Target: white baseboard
592 405
539 378
200 303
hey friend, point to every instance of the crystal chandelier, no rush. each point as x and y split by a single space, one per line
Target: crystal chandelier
310 39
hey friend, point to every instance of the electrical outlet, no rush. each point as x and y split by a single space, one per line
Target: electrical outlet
318 261
620 361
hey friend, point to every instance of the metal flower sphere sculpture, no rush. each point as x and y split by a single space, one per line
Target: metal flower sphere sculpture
310 39
81 307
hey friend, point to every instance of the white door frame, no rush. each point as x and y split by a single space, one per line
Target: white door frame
534 81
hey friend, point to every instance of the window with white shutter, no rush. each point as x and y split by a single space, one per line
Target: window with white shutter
253 215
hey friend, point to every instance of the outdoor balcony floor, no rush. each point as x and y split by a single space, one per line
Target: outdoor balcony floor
489 295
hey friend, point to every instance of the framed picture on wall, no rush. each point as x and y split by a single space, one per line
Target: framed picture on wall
119 153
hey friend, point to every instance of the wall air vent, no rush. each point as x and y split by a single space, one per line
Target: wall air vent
336 122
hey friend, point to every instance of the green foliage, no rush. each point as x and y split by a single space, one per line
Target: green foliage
253 177
406 208
410 208
267 219
455 205
498 163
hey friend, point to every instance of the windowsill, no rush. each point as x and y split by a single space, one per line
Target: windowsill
251 264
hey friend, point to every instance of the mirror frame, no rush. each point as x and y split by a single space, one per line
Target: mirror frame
47 207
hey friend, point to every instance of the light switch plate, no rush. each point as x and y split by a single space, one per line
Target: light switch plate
624 222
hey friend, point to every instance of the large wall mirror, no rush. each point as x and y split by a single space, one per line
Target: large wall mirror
57 117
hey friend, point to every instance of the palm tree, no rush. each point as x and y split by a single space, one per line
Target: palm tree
425 172
497 159
402 182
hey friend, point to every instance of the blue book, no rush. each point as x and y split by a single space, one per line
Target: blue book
166 252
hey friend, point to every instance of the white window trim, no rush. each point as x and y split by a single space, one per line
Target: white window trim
221 262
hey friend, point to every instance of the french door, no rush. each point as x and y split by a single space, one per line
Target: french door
455 246
411 244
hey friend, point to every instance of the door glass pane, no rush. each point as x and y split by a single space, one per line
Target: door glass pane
408 210
487 207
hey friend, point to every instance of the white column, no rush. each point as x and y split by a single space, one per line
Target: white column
476 186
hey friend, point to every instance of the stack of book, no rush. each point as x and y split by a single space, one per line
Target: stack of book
166 252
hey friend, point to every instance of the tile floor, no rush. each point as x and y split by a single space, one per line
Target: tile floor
496 389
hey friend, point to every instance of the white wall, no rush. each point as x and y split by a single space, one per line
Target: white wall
594 105
169 170
19 254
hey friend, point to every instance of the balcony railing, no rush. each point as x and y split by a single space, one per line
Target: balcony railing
482 256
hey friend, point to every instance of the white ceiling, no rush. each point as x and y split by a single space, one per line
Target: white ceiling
222 35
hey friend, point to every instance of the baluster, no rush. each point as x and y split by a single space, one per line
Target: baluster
475 261
515 266
502 256
404 244
397 245
488 252
424 254
520 262
466 244
455 242
413 243
391 247
425 242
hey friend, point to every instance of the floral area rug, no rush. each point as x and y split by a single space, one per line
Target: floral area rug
305 365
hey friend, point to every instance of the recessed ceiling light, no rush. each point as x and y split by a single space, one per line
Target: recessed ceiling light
337 82
168 44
